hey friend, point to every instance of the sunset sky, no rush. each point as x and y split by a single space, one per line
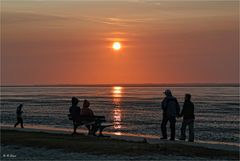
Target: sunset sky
70 42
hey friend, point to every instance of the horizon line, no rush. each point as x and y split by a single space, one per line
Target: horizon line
130 85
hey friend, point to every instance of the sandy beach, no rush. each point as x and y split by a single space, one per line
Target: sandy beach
28 153
57 144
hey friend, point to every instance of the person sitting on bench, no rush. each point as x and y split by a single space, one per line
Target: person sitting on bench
75 114
87 113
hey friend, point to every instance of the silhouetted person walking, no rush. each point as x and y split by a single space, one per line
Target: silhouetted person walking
19 116
171 110
75 114
188 118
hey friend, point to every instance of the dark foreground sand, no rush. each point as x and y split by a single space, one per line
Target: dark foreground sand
22 145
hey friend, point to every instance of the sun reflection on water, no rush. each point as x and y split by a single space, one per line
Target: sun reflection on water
117 92
117 113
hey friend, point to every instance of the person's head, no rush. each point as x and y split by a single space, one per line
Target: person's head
168 92
74 101
86 104
20 106
188 97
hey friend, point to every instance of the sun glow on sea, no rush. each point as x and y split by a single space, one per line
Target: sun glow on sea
117 90
117 112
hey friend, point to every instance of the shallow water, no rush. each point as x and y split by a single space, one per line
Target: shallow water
133 110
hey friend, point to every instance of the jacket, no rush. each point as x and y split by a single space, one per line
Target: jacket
75 112
170 107
188 110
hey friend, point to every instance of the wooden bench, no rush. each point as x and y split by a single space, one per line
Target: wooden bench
98 121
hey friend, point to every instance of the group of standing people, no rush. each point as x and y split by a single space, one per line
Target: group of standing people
171 111
169 105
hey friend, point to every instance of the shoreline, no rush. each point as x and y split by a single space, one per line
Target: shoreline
152 139
226 146
110 147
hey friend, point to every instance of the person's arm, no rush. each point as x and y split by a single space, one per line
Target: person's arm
193 107
18 111
178 108
164 104
91 113
183 110
193 111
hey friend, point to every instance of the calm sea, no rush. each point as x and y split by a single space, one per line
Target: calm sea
134 110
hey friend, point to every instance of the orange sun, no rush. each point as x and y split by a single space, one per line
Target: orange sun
116 46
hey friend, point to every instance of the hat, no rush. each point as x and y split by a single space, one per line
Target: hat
167 92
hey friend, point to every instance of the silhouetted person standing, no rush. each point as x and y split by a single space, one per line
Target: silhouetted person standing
188 118
171 110
19 116
75 113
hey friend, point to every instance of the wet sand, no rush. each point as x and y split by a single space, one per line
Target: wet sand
123 147
131 137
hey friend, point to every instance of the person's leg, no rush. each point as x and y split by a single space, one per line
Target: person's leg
74 128
16 124
164 128
18 121
191 130
21 122
183 130
89 129
94 129
76 123
172 127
